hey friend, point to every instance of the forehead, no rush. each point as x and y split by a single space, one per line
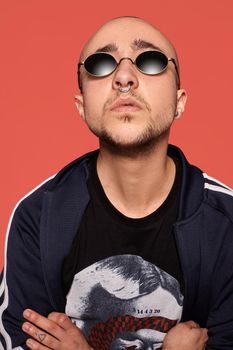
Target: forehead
123 32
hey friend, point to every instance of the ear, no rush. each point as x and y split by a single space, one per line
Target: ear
181 102
80 105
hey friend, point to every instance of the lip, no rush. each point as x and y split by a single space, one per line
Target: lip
125 104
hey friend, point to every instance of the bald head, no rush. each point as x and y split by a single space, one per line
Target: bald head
126 24
141 34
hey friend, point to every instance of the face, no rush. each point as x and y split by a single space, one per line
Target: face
138 118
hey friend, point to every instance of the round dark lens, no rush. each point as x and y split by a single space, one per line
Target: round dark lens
151 62
100 64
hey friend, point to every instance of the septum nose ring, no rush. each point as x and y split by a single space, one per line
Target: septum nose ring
124 89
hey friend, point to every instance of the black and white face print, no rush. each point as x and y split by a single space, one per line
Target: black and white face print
124 302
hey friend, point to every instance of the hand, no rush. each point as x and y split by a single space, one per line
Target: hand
186 335
54 332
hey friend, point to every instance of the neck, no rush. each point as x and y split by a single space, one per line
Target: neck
138 184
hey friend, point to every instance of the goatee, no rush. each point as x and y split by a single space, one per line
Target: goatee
143 145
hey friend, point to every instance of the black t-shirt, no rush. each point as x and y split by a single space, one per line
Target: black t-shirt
127 268
104 232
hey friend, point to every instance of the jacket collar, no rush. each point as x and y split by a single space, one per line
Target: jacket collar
192 189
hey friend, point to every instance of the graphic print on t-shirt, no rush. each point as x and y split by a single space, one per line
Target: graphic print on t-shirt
124 302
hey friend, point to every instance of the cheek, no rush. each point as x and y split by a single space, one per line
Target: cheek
161 96
94 96
93 107
96 86
91 103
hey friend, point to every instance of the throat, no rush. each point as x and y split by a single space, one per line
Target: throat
137 189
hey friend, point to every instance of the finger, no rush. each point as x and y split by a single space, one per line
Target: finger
40 336
43 323
201 334
61 319
202 331
64 322
33 344
205 334
192 324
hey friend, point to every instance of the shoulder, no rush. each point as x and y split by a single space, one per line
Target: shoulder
200 190
32 202
218 195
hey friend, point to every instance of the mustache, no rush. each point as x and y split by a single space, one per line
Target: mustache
131 93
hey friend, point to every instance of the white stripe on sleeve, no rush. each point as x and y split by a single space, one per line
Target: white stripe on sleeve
217 181
4 286
218 189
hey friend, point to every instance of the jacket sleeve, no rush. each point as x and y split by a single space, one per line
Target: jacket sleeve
220 319
22 283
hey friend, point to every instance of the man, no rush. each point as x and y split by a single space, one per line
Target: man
132 242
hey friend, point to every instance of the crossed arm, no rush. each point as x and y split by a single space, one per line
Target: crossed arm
59 333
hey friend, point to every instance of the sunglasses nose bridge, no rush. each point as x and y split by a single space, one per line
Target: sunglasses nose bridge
125 75
125 58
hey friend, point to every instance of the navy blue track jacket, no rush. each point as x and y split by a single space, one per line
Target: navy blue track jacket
46 221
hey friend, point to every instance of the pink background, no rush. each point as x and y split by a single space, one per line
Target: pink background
40 43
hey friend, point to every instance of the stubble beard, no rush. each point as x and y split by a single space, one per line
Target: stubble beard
144 143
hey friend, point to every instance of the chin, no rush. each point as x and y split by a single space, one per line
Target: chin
132 140
143 144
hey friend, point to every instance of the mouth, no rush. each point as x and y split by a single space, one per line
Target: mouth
125 105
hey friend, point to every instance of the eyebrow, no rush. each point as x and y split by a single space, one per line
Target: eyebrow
136 45
108 48
142 44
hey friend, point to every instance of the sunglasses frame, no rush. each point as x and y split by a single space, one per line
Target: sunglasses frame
169 59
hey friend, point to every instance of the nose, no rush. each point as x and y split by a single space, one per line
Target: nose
125 75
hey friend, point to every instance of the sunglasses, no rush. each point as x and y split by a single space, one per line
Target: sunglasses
101 64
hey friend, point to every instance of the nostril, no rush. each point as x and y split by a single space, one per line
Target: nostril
126 84
125 76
